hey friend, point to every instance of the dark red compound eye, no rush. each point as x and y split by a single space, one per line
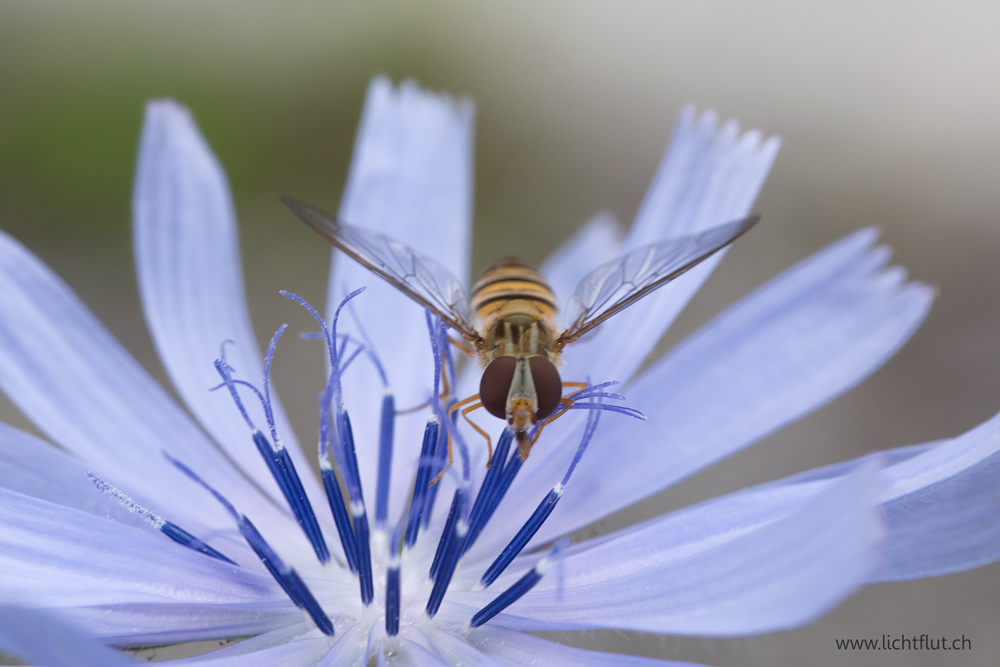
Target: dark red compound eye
548 385
495 385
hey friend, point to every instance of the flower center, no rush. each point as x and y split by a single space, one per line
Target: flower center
380 558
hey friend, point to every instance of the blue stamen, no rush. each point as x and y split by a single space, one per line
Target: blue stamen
457 440
518 589
392 586
348 538
385 436
420 485
340 518
171 530
353 480
438 460
283 469
437 453
542 512
497 494
181 536
451 548
268 412
285 575
278 461
436 352
370 346
449 529
446 350
484 499
590 389
224 369
456 529
631 412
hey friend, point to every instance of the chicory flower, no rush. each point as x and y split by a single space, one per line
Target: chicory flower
371 564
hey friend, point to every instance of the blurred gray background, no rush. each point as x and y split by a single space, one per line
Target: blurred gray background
889 114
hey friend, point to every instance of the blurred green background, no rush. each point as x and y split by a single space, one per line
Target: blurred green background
889 114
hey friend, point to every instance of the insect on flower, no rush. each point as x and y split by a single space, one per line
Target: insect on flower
511 326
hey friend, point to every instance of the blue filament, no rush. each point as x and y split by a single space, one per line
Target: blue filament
278 461
484 499
518 589
384 458
438 460
268 411
352 478
498 492
449 529
286 576
340 518
283 470
420 489
171 530
542 512
451 549
181 536
392 586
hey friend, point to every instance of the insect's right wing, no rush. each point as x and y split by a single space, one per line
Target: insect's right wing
416 275
612 287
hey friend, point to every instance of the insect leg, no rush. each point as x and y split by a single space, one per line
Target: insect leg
445 468
445 391
489 443
580 386
462 345
451 412
568 402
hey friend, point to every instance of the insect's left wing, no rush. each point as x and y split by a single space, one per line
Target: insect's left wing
416 275
612 287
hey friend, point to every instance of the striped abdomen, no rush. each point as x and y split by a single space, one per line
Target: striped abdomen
516 310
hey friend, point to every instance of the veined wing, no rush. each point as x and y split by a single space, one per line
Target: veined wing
416 275
612 287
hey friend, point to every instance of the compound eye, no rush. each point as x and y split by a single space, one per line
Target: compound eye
548 385
495 385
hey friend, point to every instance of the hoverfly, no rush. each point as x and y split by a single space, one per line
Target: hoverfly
512 327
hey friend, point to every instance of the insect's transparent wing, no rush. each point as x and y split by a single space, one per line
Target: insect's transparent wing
614 286
416 275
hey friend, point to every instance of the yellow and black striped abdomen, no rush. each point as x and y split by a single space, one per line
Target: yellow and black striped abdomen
512 291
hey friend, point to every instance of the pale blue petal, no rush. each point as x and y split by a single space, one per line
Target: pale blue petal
709 176
31 466
803 338
45 639
62 557
411 178
410 654
350 649
764 560
940 504
67 374
151 624
456 650
259 642
514 649
188 262
297 652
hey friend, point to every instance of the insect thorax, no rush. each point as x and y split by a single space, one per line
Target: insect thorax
516 311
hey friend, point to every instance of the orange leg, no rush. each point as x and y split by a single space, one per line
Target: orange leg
445 391
563 401
462 345
465 413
